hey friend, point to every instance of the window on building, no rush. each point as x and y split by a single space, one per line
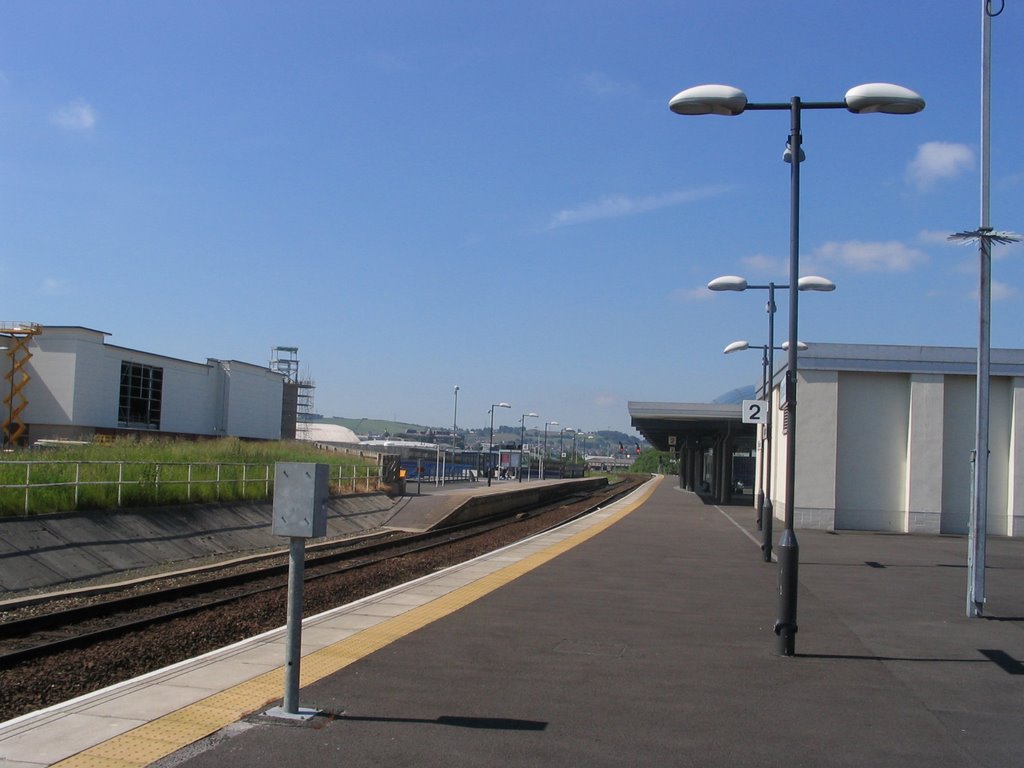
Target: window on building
142 389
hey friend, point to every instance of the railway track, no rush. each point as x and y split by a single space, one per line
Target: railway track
36 630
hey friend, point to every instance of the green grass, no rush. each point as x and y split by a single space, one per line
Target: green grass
157 472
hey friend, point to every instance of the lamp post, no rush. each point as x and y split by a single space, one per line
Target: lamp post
977 531
584 450
455 427
765 509
490 442
455 420
727 100
561 450
543 475
522 439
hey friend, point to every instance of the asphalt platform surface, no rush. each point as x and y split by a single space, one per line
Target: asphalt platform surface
651 644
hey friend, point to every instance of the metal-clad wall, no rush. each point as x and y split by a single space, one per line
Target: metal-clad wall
1000 399
925 449
816 452
873 427
958 437
254 402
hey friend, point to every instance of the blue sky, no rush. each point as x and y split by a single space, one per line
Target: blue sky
495 194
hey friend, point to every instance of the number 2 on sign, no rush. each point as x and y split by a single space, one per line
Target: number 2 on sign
754 411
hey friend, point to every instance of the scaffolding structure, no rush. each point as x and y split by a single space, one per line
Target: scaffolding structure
285 360
14 339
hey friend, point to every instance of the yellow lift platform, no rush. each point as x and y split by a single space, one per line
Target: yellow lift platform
14 338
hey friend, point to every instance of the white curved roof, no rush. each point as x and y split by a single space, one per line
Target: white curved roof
326 433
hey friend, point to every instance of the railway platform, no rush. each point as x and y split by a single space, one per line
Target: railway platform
640 635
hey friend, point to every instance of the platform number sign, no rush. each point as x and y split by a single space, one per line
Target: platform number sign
755 411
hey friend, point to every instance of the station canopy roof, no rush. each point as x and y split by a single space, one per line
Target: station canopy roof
687 422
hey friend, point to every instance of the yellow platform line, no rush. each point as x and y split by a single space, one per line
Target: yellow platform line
150 742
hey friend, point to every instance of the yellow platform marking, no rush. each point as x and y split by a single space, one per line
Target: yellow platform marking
150 742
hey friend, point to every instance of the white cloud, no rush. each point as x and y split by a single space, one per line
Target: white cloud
935 237
616 206
78 115
601 84
937 160
701 293
888 256
999 291
1002 291
764 264
53 287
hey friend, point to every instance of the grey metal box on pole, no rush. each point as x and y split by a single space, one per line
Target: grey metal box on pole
300 493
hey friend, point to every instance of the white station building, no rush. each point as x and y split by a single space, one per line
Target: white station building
885 439
79 387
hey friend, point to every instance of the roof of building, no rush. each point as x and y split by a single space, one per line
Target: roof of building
905 358
686 422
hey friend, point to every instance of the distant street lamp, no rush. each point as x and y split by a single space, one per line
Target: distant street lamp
522 440
727 100
490 448
455 420
765 509
543 468
585 437
561 450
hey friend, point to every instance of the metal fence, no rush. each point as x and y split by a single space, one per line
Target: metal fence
48 486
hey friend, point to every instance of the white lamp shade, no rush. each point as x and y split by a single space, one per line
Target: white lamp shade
728 283
883 97
736 346
709 100
815 283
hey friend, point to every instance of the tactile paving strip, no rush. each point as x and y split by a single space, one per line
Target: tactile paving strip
161 737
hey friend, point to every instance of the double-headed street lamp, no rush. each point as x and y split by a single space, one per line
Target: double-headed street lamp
522 439
765 514
765 508
543 475
490 442
727 100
